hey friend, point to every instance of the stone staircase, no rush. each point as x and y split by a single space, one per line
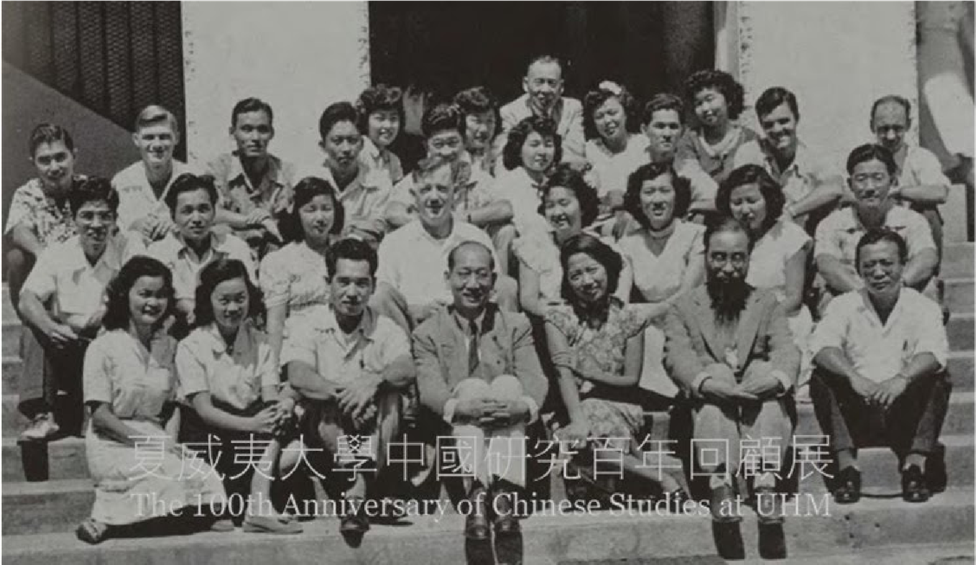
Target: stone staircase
39 517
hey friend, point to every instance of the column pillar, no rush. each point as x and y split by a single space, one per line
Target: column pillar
297 56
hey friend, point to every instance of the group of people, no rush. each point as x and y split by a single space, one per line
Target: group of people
550 265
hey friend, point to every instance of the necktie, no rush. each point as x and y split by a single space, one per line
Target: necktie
473 349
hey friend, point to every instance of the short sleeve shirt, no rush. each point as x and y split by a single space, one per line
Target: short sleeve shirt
372 347
296 276
174 253
137 382
472 194
878 350
42 215
658 277
525 196
136 197
767 263
234 376
837 235
236 192
364 199
381 159
716 160
806 172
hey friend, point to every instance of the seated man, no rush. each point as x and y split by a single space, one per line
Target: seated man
543 86
350 365
872 173
880 354
254 186
474 201
811 185
729 347
487 390
363 191
142 186
410 286
192 202
62 304
921 183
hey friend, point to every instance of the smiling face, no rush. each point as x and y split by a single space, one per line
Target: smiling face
780 128
746 203
587 278
317 217
156 143
472 278
148 300
711 108
94 221
383 126
870 182
880 268
351 287
657 200
538 152
55 165
889 124
231 302
544 84
434 196
194 214
663 132
252 132
479 130
562 210
727 257
610 120
342 146
446 143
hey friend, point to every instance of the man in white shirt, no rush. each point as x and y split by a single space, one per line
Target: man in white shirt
410 282
543 85
62 303
880 353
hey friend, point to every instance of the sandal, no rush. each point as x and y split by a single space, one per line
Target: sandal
92 531
270 525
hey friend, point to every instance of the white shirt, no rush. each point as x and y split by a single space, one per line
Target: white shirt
880 351
414 263
63 273
136 197
174 253
613 169
837 235
767 262
525 196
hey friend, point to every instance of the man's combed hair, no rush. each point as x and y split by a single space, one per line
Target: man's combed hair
93 189
154 114
870 152
773 98
49 133
663 101
452 256
895 99
351 249
336 113
877 235
249 105
725 224
188 182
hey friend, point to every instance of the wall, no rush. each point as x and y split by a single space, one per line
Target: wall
299 57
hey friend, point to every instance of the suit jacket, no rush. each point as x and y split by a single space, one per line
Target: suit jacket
763 335
506 348
569 126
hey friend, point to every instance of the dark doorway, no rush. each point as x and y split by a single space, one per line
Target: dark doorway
447 46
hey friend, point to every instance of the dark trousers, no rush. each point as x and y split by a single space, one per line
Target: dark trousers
910 425
46 370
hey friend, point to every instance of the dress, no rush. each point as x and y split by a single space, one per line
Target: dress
133 484
297 277
612 412
767 269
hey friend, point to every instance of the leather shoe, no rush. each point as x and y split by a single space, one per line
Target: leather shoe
913 487
848 490
728 540
935 470
676 500
356 522
721 501
506 522
772 541
476 523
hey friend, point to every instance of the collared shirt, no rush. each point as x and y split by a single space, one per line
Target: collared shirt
806 172
878 350
568 115
41 214
381 160
921 167
838 234
63 273
471 194
136 197
364 198
237 194
137 382
173 252
321 344
234 375
613 169
413 262
525 196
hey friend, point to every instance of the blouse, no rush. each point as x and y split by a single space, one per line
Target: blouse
296 276
658 277
613 169
767 263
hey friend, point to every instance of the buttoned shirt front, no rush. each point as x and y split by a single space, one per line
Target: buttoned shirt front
381 159
879 351
136 197
173 252
77 287
237 194
806 172
837 235
321 344
41 214
413 261
233 375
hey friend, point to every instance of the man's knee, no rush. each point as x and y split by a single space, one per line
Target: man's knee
507 387
506 293
470 389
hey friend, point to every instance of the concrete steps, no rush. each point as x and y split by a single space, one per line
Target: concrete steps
872 527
